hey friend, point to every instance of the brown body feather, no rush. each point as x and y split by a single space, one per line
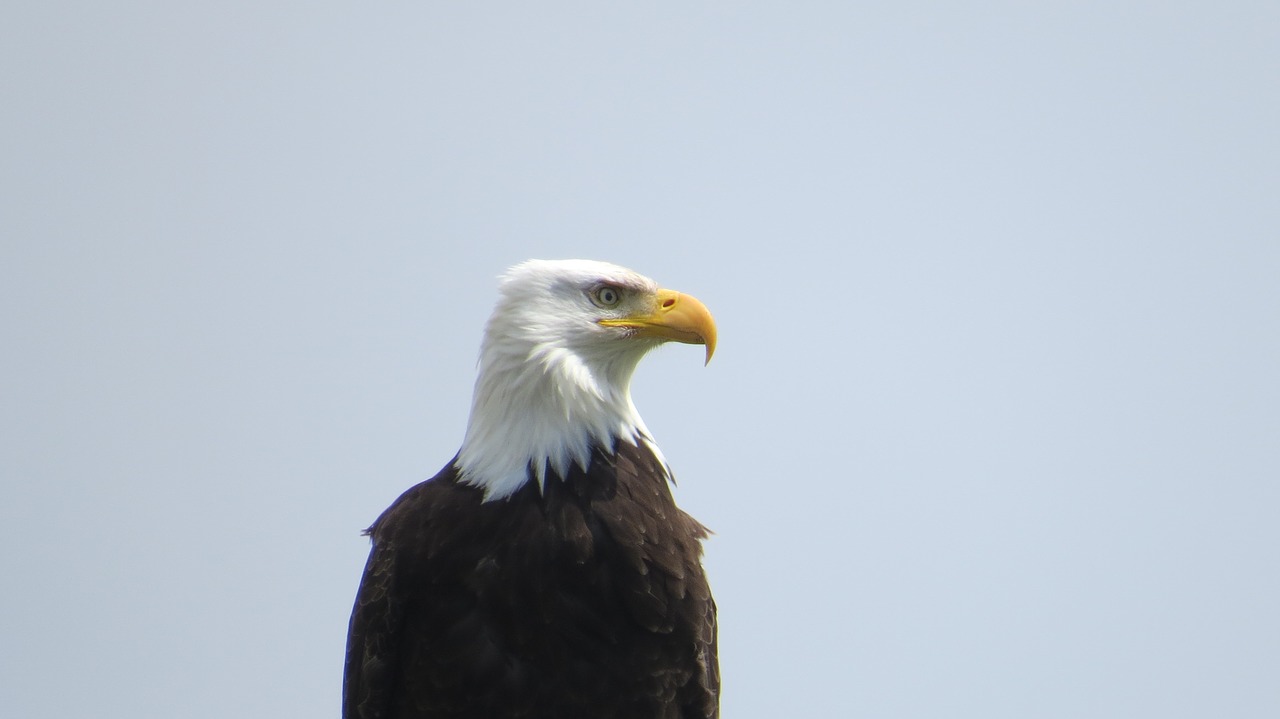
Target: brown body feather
587 599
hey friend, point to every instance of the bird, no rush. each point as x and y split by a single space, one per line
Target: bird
546 571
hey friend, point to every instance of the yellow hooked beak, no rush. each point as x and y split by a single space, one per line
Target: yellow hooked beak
674 316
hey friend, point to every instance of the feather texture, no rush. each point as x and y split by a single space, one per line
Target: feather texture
586 600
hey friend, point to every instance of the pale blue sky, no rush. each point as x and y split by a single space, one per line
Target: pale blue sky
993 429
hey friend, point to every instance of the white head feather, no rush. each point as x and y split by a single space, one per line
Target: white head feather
552 381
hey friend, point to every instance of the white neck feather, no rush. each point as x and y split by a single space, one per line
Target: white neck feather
543 406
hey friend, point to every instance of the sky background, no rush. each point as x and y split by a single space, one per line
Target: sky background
993 429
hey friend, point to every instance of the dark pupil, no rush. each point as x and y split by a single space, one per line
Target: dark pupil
607 297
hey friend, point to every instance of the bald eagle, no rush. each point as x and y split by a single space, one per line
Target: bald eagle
546 571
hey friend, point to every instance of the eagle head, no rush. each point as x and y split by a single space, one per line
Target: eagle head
556 364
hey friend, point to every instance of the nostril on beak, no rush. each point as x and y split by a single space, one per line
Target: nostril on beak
666 304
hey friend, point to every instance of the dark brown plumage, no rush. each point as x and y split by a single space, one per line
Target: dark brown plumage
586 599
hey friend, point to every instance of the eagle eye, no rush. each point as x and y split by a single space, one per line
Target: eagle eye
606 296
